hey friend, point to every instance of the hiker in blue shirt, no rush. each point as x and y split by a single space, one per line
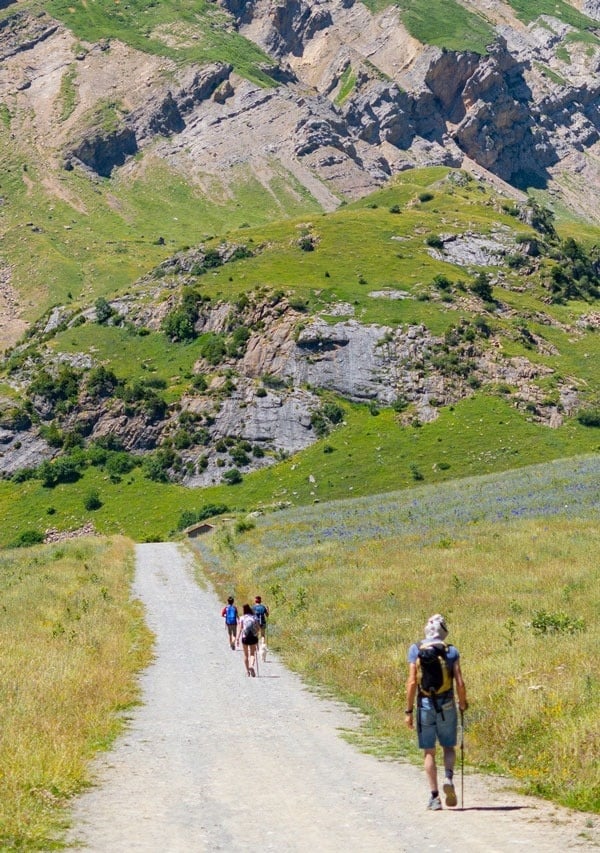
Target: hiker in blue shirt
434 669
230 614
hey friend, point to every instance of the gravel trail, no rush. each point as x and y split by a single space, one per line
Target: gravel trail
213 760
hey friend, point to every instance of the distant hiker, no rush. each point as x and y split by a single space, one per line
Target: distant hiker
230 614
248 629
434 668
261 611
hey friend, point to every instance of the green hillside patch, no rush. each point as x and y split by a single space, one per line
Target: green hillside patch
529 10
192 31
369 454
379 243
444 23
133 356
95 239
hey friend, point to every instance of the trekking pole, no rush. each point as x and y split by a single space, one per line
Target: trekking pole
462 760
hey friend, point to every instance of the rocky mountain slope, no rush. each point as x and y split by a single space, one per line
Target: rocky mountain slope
336 101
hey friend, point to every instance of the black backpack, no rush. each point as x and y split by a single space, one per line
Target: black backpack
434 676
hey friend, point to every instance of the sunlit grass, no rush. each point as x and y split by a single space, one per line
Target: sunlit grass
72 641
351 585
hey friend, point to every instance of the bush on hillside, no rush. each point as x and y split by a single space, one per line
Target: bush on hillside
28 538
189 517
62 470
589 417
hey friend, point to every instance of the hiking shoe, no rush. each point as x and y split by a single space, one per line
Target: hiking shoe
450 793
434 804
252 673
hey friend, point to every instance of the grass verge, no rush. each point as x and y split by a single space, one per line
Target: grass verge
72 643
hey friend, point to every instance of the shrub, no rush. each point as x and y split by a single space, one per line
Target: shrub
306 243
15 418
213 348
156 465
104 310
333 412
434 241
63 470
589 417
415 472
92 500
120 462
298 304
239 456
101 382
442 282
425 196
232 476
481 287
556 623
28 538
237 343
199 382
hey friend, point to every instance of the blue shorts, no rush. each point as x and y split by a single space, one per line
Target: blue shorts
432 724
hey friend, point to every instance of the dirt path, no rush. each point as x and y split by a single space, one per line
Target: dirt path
215 760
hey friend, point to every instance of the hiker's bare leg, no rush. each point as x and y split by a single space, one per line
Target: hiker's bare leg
449 757
246 661
431 769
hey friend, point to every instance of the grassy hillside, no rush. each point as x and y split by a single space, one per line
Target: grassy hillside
468 26
357 255
351 584
192 31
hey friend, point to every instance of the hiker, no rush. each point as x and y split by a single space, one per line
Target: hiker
230 614
434 669
261 611
248 633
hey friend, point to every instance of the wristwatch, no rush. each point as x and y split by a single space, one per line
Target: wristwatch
408 711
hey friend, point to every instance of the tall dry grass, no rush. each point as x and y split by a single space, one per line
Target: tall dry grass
344 614
72 642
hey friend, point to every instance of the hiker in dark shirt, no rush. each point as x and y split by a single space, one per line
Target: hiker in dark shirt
261 611
437 719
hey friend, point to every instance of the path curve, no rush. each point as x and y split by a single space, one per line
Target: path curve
213 760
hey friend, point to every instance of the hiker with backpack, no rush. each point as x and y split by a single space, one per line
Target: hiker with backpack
261 611
248 629
434 669
230 614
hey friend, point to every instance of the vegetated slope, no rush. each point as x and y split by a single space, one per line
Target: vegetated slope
128 132
509 559
387 350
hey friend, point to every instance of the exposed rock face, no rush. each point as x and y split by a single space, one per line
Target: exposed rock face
162 115
525 111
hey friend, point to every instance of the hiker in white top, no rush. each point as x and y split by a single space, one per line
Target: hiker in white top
248 635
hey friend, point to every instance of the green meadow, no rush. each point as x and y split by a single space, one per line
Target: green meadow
368 454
